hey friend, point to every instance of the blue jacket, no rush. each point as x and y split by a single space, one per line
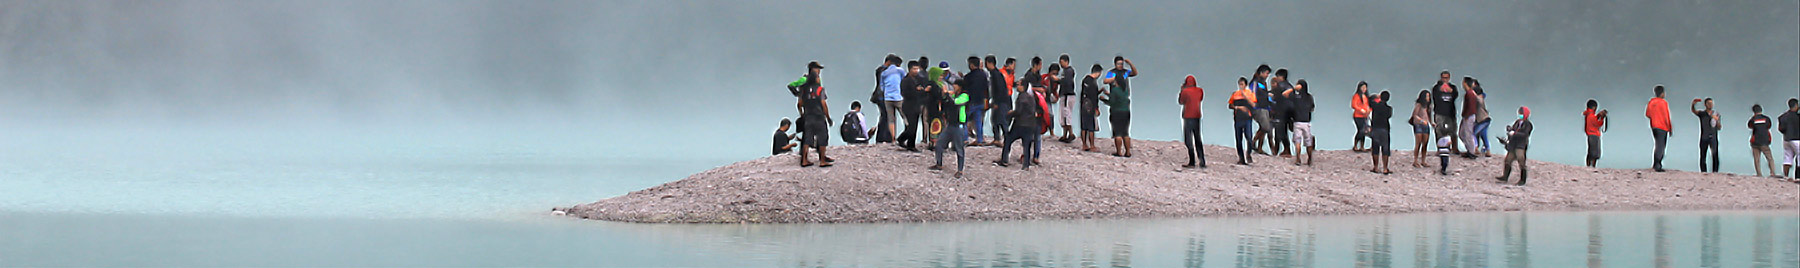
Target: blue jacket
890 83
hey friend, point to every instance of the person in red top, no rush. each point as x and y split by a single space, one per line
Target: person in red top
1594 120
1190 98
1658 112
1359 112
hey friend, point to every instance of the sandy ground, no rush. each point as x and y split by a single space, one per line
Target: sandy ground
878 183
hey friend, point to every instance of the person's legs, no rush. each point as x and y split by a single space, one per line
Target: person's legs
909 136
961 148
1481 134
1790 156
1067 114
1756 163
1702 155
977 116
1466 134
1278 142
1362 123
1419 141
1262 129
1713 144
1593 150
1506 165
1240 134
1006 149
893 115
1001 121
945 138
1768 156
1661 138
1031 140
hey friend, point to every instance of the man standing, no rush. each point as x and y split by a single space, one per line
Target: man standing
1594 122
1280 114
1090 107
1518 137
1263 105
1119 98
954 115
1243 104
1657 110
1066 93
1759 141
1025 125
1709 133
978 98
891 98
912 89
1443 119
1381 151
1000 99
1189 98
1790 133
1300 101
814 118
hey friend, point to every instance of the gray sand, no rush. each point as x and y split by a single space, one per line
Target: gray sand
877 183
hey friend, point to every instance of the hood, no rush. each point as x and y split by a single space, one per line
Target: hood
1189 83
1525 111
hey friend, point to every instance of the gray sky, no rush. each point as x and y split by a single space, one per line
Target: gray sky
708 74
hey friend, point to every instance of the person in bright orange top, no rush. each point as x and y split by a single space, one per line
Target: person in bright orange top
1241 102
1594 122
1359 112
1658 112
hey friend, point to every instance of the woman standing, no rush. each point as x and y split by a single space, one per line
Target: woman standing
1359 112
1421 123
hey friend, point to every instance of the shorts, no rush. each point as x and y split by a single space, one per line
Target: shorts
1067 107
1262 119
1593 149
1303 134
1445 125
1088 120
1121 124
1421 129
1791 153
1379 144
813 131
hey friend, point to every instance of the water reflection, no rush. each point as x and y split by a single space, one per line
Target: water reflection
1528 239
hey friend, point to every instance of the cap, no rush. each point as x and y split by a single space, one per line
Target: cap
943 64
814 65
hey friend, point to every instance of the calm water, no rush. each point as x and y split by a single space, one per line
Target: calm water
429 199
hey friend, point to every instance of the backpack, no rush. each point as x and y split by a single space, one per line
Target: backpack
850 130
877 96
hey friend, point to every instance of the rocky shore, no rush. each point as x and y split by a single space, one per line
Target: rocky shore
878 183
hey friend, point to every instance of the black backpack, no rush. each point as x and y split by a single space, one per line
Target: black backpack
848 130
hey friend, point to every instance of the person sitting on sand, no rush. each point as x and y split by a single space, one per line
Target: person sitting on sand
1090 107
854 130
1657 110
1421 124
955 115
784 142
1790 133
1518 137
1243 103
814 116
1759 141
1190 96
1025 127
1709 132
1381 149
1359 113
1300 106
1593 123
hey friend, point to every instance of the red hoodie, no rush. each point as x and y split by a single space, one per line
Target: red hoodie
1658 112
1190 98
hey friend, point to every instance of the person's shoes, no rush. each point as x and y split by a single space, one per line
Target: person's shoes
1202 165
1118 155
806 164
1659 170
1001 163
1034 161
1242 163
957 175
825 164
935 168
1501 179
1387 172
1189 165
823 159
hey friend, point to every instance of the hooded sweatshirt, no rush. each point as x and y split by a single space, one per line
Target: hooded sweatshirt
1520 139
1658 112
1190 98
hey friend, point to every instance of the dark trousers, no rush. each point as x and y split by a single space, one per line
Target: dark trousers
1362 123
1242 134
1190 137
1662 142
1514 156
910 134
882 132
951 139
1029 136
1709 144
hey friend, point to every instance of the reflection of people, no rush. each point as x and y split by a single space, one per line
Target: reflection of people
1518 137
783 142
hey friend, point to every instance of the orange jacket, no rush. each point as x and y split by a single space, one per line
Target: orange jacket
1359 105
1658 112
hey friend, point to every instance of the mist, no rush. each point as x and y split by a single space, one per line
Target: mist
704 78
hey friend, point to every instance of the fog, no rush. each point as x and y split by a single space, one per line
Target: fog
681 79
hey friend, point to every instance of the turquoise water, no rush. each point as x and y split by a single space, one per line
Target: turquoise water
479 198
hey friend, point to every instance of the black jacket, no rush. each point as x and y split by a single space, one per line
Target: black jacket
1790 126
1521 135
1301 106
1443 103
1379 114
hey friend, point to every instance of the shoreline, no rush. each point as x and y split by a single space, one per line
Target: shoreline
878 183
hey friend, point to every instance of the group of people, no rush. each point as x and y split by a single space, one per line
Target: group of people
992 99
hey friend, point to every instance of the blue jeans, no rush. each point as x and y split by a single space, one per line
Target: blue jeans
976 115
1481 130
1242 135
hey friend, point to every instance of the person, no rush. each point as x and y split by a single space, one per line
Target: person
1443 119
1657 110
978 100
912 90
891 97
1119 98
1593 123
1090 107
1280 114
1189 98
1263 105
1518 139
955 115
1759 141
1790 133
814 116
1421 124
1025 127
783 141
1066 97
1243 106
1381 150
1000 100
853 130
1475 119
1049 87
1359 113
1300 105
934 94
1709 133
